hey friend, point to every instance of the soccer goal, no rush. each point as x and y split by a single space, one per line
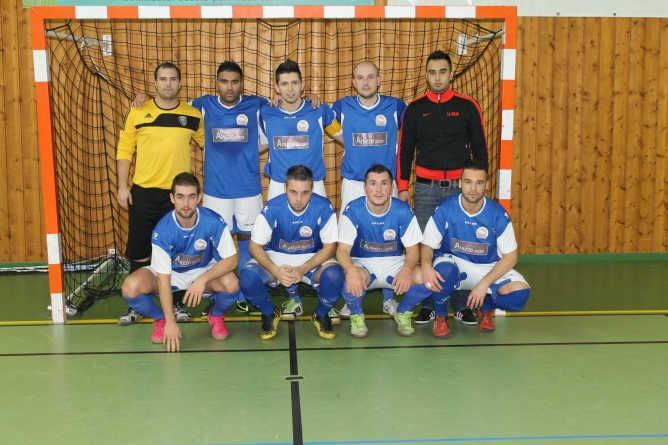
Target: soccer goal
90 62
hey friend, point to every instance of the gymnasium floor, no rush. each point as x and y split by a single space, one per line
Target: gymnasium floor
586 363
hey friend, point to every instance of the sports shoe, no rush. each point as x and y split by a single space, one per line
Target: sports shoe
324 325
425 316
486 324
441 328
466 316
357 327
344 313
129 317
248 307
292 310
218 329
181 313
207 310
390 306
334 316
403 320
158 331
269 324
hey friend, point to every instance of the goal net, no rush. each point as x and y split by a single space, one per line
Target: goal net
98 66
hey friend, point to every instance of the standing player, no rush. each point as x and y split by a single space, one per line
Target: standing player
370 124
446 128
475 249
192 251
373 231
160 135
293 241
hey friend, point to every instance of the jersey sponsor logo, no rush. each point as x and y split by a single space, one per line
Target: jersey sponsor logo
369 139
482 233
200 244
302 125
290 142
305 231
468 247
295 246
230 134
183 120
242 119
381 121
378 247
182 260
452 113
389 234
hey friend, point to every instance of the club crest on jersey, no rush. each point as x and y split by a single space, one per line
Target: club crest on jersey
302 125
242 119
481 233
305 231
381 121
389 234
200 244
183 120
155 235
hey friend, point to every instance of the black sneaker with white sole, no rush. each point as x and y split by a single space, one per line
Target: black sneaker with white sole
425 316
467 317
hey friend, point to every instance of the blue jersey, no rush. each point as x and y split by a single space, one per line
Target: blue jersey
295 138
231 157
180 250
281 230
369 134
476 238
372 235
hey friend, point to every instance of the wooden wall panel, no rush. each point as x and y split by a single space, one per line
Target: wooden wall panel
591 129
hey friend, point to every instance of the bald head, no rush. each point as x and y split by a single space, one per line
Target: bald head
366 66
366 79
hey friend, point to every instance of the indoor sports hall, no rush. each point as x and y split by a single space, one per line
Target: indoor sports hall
574 99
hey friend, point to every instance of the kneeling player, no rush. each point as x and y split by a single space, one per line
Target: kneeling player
192 251
373 231
472 243
293 241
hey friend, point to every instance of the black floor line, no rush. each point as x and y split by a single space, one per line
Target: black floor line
297 433
343 348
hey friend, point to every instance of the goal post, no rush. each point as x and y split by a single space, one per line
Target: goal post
323 19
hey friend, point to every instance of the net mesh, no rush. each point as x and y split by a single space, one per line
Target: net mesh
93 83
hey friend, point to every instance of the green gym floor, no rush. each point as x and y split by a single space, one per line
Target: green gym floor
585 363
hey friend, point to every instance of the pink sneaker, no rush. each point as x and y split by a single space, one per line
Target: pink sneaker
158 331
218 329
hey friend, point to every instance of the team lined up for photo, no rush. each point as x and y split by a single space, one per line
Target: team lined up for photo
468 249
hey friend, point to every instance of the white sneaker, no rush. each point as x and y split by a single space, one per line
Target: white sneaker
345 312
292 310
129 317
390 306
181 313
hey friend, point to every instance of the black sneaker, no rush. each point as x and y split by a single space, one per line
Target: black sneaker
324 325
467 317
425 316
207 309
248 308
269 324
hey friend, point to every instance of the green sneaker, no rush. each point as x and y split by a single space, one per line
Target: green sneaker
357 327
334 316
292 310
403 319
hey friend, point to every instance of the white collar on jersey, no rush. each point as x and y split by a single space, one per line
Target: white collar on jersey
179 224
292 211
484 203
298 108
366 203
226 106
372 106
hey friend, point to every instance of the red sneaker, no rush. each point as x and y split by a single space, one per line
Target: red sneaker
158 331
485 323
218 329
441 328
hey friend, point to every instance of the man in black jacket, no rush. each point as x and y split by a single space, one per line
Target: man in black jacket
447 130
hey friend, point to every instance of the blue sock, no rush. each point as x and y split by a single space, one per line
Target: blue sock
513 301
450 274
388 294
413 296
293 293
331 284
354 304
253 286
222 302
244 257
145 305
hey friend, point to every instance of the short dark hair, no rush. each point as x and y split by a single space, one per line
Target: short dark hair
299 173
439 55
229 66
378 168
475 164
289 66
167 65
185 179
